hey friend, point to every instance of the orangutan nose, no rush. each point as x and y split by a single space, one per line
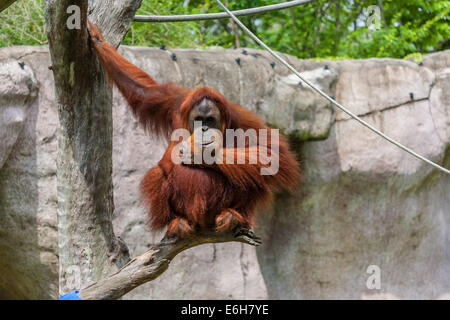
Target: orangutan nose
205 128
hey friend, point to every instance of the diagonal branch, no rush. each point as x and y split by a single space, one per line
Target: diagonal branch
5 4
151 264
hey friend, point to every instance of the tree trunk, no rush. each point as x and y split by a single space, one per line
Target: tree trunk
88 248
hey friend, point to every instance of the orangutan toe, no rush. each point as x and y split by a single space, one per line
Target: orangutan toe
228 219
179 227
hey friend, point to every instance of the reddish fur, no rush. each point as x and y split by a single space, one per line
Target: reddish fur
229 219
179 226
185 197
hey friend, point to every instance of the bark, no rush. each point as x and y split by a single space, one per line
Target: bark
155 261
88 248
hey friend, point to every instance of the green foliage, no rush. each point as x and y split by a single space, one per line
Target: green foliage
23 24
408 27
321 29
339 28
180 34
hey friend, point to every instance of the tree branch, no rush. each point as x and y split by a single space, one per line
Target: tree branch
5 4
113 17
151 264
88 247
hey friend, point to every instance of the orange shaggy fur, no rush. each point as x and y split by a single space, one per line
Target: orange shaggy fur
184 197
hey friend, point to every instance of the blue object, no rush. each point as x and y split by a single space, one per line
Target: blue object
71 296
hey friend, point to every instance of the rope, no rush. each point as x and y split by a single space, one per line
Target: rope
220 15
323 94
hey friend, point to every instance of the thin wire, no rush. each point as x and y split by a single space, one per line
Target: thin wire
323 94
220 15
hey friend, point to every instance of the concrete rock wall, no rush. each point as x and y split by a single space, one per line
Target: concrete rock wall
363 202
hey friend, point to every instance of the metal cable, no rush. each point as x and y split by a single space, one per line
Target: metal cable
323 94
220 15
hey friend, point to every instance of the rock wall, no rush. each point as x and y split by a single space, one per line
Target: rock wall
362 202
365 202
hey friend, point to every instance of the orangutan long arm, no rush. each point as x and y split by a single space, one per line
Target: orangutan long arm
152 103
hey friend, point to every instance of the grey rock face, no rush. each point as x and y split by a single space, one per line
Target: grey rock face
362 202
18 89
365 202
28 235
368 86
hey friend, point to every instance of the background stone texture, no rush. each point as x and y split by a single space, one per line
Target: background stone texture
362 202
